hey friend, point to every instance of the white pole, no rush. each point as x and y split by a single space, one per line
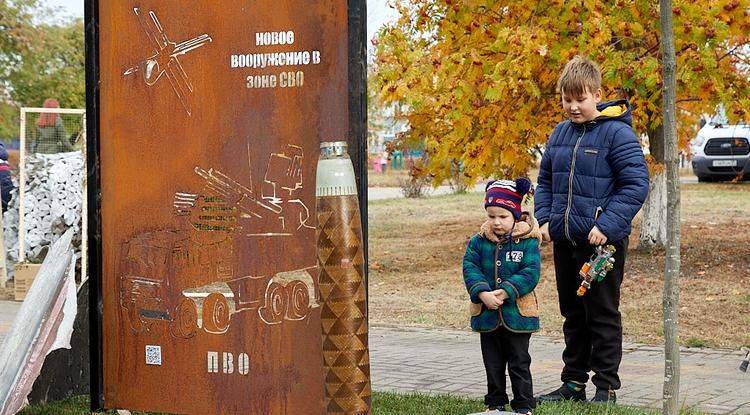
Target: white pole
3 270
84 207
22 189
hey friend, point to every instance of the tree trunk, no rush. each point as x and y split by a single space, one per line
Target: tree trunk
672 263
654 220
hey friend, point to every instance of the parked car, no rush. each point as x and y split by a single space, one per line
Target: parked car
721 152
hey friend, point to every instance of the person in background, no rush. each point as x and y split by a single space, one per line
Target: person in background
6 183
51 136
376 163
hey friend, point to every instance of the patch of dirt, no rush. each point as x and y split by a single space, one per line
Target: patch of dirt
390 178
416 247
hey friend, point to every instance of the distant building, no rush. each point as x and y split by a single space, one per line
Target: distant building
384 125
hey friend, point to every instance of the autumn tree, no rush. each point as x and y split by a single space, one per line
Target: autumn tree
40 57
671 294
478 76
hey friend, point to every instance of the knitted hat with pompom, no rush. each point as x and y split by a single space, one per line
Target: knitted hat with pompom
507 194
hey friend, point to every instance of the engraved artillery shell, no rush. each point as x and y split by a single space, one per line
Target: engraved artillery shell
342 286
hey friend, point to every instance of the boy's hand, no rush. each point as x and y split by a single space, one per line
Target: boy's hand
487 232
544 230
596 237
490 299
501 295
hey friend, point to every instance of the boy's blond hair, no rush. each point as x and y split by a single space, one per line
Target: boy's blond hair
579 76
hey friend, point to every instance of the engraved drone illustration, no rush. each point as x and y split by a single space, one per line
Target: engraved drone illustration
164 61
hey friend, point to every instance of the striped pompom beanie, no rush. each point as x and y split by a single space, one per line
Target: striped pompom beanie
507 194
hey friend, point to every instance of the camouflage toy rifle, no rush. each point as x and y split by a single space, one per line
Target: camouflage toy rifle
601 262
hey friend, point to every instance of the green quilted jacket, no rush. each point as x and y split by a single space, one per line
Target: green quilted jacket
512 266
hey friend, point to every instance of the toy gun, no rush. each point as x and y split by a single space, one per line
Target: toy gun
601 262
746 361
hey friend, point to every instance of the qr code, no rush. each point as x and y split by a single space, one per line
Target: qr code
153 355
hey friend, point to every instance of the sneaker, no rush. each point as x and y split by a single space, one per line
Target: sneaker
491 408
525 411
606 396
571 391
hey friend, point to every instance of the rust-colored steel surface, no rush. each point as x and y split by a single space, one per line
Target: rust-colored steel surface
211 115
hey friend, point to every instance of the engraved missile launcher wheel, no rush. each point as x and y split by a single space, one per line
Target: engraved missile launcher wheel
276 304
216 313
185 322
299 300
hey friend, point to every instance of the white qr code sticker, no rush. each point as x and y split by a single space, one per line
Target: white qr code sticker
153 355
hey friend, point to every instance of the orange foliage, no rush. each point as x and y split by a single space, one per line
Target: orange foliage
478 76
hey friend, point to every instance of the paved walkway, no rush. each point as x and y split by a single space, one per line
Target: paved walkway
449 362
8 311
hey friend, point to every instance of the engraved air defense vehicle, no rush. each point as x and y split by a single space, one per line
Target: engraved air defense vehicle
197 277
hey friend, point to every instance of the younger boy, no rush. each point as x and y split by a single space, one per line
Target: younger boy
592 181
500 278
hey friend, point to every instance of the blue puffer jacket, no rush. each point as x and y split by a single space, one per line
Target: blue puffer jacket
592 174
6 183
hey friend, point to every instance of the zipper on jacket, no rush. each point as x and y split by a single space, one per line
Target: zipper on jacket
570 187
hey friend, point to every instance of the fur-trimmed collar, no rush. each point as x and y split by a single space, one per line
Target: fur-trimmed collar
527 227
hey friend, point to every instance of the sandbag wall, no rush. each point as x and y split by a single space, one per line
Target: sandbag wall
52 205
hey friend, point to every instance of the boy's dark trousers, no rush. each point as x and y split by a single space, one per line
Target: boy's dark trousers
500 348
593 326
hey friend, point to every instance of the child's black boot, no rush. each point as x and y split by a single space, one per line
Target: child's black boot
569 391
604 396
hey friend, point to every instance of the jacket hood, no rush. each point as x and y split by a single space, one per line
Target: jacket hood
615 110
527 227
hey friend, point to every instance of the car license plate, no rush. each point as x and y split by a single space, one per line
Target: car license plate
725 163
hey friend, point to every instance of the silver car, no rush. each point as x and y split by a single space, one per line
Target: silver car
721 152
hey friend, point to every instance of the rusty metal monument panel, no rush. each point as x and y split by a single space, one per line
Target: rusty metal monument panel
210 119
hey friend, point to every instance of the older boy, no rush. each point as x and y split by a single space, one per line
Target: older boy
592 181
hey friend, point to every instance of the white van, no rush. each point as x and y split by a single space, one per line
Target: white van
721 152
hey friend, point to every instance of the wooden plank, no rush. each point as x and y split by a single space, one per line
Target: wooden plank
22 191
55 110
3 269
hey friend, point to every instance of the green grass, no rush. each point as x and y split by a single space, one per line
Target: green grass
387 403
421 404
77 405
695 342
